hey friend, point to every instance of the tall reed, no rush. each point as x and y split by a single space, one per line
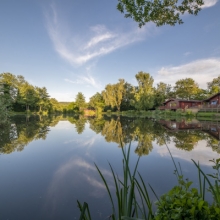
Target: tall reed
126 206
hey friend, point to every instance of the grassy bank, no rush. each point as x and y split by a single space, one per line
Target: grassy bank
166 114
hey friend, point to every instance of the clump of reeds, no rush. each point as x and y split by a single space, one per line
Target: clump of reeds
126 206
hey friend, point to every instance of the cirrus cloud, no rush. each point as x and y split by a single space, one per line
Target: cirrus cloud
97 41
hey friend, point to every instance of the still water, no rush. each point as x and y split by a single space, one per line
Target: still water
47 164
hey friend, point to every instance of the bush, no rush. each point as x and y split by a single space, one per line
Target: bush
181 202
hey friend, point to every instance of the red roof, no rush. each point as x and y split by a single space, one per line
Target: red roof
211 97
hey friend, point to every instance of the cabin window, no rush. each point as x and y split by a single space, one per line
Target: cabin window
213 129
173 104
214 102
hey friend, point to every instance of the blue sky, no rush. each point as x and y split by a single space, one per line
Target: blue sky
73 46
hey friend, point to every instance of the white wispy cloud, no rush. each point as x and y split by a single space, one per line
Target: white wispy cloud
209 3
85 80
97 41
202 71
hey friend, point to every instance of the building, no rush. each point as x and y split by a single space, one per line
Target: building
212 101
174 104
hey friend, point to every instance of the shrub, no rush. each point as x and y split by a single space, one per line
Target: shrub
181 202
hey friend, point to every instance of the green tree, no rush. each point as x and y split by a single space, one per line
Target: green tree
161 93
160 12
80 101
144 93
214 85
27 95
8 84
186 89
113 94
54 106
72 107
128 97
97 102
43 98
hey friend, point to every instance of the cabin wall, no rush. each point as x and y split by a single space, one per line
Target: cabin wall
214 100
184 105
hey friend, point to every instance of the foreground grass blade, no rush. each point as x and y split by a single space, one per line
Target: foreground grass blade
215 194
106 186
83 210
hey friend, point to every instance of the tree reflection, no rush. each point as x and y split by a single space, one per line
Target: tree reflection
96 124
79 121
187 140
18 132
122 130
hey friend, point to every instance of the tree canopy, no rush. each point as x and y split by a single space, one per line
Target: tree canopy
163 12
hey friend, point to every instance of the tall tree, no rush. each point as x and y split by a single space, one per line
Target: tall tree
128 97
144 93
80 101
161 93
186 88
113 94
27 95
43 98
8 83
160 12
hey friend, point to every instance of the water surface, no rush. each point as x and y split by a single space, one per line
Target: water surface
47 163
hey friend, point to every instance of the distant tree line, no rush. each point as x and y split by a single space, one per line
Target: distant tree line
123 96
18 95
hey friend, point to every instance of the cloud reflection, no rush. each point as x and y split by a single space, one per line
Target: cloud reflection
200 153
77 177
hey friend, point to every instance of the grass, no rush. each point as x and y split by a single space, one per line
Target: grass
127 189
126 206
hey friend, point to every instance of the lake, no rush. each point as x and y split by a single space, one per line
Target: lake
47 163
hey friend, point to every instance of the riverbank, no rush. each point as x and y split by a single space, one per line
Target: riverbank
167 114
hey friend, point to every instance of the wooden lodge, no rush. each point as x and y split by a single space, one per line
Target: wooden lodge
212 102
174 104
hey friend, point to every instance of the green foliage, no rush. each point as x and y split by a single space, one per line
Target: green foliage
54 106
80 101
214 85
144 93
126 206
97 102
42 98
160 12
161 93
186 89
183 202
113 94
216 177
